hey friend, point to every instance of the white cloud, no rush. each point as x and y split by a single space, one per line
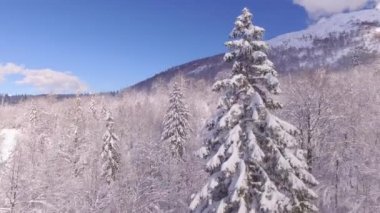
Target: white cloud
45 80
319 8
9 68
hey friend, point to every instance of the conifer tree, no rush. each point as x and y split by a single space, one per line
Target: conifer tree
93 108
110 151
33 115
253 158
176 123
110 159
77 147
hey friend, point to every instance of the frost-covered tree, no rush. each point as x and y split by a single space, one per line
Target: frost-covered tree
33 115
176 123
110 151
110 159
253 158
310 103
93 108
75 144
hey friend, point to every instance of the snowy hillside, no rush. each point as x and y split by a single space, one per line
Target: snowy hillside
331 43
315 147
324 28
334 43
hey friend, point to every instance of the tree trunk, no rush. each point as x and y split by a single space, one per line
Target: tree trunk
336 184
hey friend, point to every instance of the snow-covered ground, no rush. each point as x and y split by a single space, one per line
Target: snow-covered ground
8 139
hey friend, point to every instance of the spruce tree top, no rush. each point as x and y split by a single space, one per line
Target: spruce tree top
247 51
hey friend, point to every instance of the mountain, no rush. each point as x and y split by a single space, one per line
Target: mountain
335 43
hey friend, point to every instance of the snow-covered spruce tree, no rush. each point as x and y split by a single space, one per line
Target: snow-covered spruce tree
176 123
110 159
110 151
77 147
93 108
253 160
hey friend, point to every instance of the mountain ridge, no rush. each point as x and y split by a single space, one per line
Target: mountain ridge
332 43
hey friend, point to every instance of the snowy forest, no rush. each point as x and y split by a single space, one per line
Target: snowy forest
251 140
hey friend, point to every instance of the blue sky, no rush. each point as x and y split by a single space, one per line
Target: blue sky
109 44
